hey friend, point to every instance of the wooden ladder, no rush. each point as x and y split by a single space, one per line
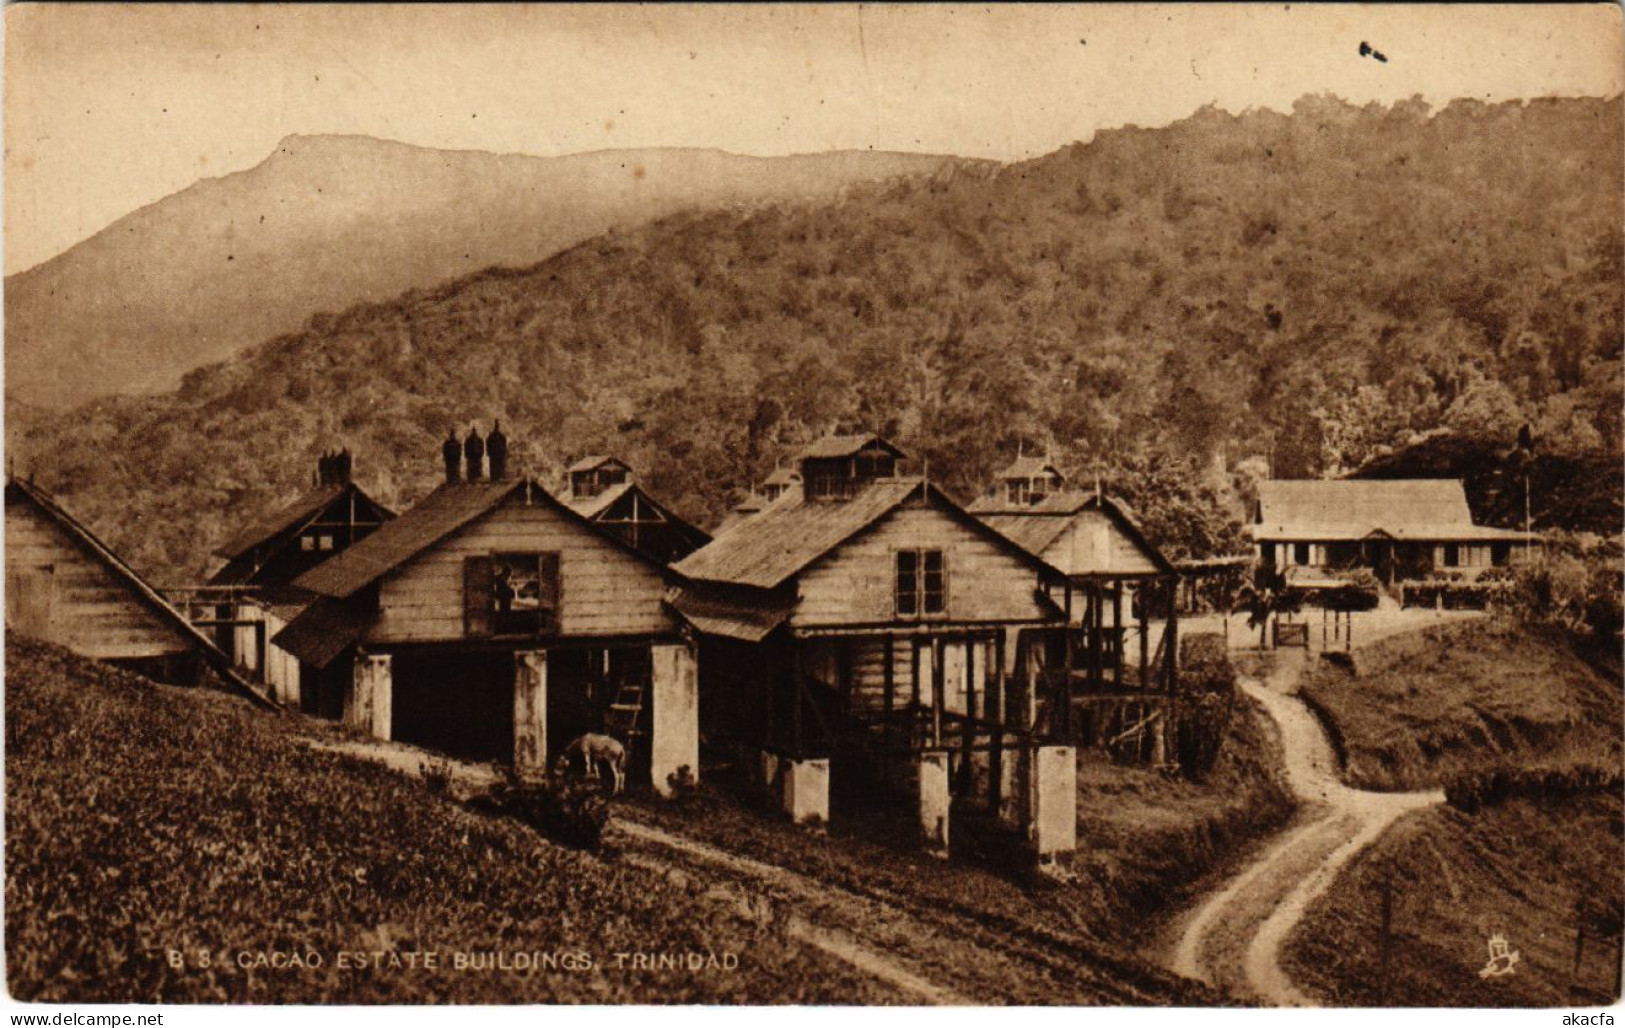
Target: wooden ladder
624 717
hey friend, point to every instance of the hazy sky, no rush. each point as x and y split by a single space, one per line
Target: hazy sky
109 107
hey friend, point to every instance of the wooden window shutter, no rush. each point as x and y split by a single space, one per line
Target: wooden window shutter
478 580
550 587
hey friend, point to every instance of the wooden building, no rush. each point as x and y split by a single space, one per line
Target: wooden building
1119 593
251 597
1399 528
603 490
63 585
493 621
863 623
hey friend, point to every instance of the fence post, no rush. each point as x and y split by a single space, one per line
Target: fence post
1387 927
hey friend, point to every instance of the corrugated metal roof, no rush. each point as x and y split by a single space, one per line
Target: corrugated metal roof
592 506
322 631
1032 533
1034 527
846 446
1350 509
295 515
1029 467
596 460
767 548
18 489
746 619
442 512
1060 503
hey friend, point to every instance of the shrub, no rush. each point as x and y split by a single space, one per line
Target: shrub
1575 590
1480 595
1202 710
1472 791
436 773
683 783
565 811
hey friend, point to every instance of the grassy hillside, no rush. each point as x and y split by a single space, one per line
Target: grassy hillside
1450 702
142 819
1423 706
328 221
1177 310
1516 870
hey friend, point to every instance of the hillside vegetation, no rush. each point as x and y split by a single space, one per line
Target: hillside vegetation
143 819
1516 870
328 221
1463 698
1173 311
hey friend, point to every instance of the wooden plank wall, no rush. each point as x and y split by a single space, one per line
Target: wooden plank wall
1094 544
92 611
854 584
867 660
605 590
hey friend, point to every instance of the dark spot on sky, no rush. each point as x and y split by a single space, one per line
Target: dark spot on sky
1367 51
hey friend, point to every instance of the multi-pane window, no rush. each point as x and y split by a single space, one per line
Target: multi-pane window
1452 555
922 583
511 594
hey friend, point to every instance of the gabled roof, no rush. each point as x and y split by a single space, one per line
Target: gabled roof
594 461
1034 527
717 612
1352 509
596 508
783 476
292 518
768 548
18 489
1029 467
847 446
450 507
322 631
592 506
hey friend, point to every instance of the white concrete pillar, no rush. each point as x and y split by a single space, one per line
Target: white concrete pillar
674 741
1055 803
1012 794
934 801
368 706
768 766
806 791
530 712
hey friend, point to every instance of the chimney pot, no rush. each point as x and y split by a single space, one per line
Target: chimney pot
496 444
451 451
474 454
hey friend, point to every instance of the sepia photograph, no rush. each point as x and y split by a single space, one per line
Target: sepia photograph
865 505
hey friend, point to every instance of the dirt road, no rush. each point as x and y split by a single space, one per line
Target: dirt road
1234 938
927 956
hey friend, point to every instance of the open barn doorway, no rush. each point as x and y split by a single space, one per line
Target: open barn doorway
458 703
605 690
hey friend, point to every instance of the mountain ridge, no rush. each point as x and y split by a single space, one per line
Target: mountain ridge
333 219
1180 311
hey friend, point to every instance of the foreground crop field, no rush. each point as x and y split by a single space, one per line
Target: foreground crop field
1424 706
144 819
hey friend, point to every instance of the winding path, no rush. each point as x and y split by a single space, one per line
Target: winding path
1234 938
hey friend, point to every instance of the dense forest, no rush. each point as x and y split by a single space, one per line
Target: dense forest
1176 312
